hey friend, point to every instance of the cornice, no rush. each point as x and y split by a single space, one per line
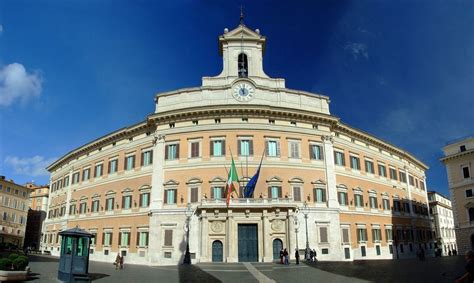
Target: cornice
457 155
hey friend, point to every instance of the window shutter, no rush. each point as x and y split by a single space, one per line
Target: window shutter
165 199
177 151
324 195
212 192
133 161
103 239
270 192
168 237
315 193
120 239
138 238
345 235
151 156
222 191
339 197
250 147
142 158
278 148
311 154
239 147
175 196
146 238
211 148
125 163
140 200
123 202
128 239
296 194
279 192
266 148
166 152
223 147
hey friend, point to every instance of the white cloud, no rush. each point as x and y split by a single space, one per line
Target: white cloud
17 84
357 49
30 166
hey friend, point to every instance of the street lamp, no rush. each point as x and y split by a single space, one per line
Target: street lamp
188 212
295 219
305 211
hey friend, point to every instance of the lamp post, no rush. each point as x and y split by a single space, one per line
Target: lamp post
188 212
305 211
295 219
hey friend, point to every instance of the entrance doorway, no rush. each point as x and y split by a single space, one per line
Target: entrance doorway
248 242
277 247
217 254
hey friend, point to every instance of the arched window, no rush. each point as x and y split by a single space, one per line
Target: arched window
471 214
243 66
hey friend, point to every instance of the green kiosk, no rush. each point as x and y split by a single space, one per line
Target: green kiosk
74 257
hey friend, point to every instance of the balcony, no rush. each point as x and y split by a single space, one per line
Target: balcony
248 202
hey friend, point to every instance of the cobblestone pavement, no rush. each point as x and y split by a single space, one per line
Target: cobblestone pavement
444 269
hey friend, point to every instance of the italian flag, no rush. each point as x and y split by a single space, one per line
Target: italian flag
233 177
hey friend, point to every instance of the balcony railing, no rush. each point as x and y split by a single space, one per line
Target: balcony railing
247 201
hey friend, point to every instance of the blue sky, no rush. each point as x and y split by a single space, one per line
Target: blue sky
72 71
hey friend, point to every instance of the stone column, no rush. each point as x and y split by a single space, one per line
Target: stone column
158 177
330 171
291 230
204 237
267 248
231 237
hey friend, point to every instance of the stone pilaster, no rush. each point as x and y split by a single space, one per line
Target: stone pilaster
330 171
267 244
158 177
69 195
204 237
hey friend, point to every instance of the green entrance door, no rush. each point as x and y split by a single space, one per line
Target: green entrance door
248 242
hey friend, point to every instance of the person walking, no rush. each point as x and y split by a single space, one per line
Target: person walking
297 256
285 255
281 256
121 262
117 261
314 255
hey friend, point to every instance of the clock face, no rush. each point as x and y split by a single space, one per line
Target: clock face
243 91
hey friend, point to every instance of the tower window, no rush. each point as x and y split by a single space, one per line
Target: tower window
243 66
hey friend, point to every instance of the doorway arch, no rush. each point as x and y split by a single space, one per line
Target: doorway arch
217 251
277 247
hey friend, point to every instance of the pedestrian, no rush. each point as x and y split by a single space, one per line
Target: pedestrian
422 254
281 256
297 256
455 252
469 275
121 262
449 253
117 261
311 255
314 255
285 255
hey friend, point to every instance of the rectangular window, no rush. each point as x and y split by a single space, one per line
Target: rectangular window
172 151
194 194
130 162
376 236
359 200
377 249
389 234
145 200
422 185
403 177
465 172
342 198
245 147
386 204
107 238
273 148
373 202
83 207
124 239
95 206
369 166
169 238
142 239
217 192
126 202
323 234
406 207
98 170
362 235
345 235
315 152
319 195
72 209
469 193
147 157
297 193
170 196
396 205
393 174
294 149
274 192
86 174
339 158
109 204
363 251
195 149
113 165
355 162
75 178
218 147
411 180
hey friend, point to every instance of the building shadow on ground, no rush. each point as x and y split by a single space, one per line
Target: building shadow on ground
42 258
192 273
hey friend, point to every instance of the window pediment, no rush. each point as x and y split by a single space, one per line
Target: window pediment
274 179
193 181
217 180
296 180
318 182
170 182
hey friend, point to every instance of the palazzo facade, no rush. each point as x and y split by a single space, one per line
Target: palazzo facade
322 184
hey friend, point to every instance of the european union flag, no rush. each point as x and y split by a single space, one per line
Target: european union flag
250 187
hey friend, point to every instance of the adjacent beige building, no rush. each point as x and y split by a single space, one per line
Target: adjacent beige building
442 213
38 205
459 161
13 212
323 184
